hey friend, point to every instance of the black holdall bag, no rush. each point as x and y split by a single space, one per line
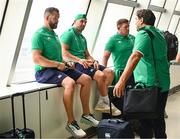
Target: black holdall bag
172 45
114 128
141 103
17 132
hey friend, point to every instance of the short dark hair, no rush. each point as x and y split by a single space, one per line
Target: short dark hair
50 10
121 21
147 15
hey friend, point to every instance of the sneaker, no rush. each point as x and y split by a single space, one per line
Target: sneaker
116 112
89 120
75 130
102 106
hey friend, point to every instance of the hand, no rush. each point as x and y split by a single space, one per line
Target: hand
85 63
119 89
61 66
96 64
70 65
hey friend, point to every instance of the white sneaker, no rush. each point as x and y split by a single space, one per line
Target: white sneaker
102 107
116 112
75 130
89 120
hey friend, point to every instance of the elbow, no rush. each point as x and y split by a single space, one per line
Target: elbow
36 59
65 54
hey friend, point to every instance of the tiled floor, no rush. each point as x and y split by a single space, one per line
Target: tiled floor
173 120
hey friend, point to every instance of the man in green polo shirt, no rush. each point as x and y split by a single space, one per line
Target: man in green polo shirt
120 45
50 68
74 47
148 71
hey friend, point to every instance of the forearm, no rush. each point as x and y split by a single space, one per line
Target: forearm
105 58
44 62
104 61
130 66
90 58
68 56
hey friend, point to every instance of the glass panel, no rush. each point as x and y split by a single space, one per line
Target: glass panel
159 3
108 28
173 24
130 0
178 35
68 9
178 6
2 7
157 14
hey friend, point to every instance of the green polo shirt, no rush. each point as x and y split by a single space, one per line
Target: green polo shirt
120 48
48 42
76 41
146 71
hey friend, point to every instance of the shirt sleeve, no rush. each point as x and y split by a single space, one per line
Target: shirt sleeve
142 43
66 38
109 45
37 42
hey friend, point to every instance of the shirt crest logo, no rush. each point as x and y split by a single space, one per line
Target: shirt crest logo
48 38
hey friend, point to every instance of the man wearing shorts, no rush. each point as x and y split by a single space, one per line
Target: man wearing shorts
51 68
74 47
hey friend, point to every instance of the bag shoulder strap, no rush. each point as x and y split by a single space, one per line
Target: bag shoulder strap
151 35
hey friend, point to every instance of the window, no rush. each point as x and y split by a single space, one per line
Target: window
157 15
108 27
2 8
24 71
159 3
178 6
174 23
177 33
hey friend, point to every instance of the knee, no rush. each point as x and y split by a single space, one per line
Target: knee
109 72
70 85
100 76
86 80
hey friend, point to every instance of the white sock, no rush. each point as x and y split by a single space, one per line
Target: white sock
104 98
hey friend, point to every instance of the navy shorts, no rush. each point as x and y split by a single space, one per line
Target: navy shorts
89 71
55 76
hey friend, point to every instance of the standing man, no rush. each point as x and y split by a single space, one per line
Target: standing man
120 45
146 72
74 47
50 68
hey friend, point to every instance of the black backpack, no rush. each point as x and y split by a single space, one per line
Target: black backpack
172 45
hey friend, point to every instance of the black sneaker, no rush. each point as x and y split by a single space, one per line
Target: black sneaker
89 120
75 130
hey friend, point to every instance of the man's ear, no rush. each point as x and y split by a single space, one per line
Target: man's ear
142 20
47 17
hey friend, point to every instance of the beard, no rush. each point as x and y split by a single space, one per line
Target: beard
53 25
